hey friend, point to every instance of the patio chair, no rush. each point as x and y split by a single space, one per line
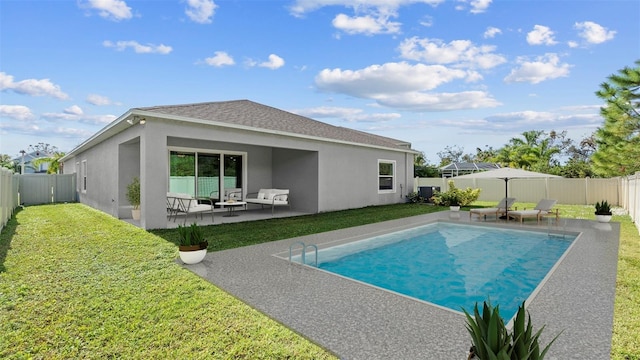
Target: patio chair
499 209
186 204
544 208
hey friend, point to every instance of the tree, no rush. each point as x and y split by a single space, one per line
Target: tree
53 162
450 154
7 162
46 154
535 151
422 168
618 140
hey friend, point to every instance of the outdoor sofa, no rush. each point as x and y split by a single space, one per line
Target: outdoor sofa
269 197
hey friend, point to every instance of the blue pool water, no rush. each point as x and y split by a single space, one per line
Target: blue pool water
452 265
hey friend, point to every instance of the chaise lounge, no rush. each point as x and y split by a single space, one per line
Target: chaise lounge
544 208
498 210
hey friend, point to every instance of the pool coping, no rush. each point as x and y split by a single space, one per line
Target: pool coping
358 321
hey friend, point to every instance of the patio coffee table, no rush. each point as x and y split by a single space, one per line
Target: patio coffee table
231 206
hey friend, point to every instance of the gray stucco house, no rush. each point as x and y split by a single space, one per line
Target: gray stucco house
206 147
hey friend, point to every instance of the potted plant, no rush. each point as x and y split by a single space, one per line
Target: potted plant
133 196
603 212
192 246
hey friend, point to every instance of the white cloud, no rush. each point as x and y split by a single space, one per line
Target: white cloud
543 68
572 44
347 114
370 17
31 87
109 9
274 62
17 112
74 110
386 78
367 25
594 33
403 86
138 48
99 100
220 59
200 11
491 32
479 6
420 101
76 114
300 7
541 35
461 52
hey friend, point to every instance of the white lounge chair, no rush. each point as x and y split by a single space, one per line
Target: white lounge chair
544 208
498 210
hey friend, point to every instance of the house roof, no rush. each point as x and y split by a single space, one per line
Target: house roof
247 113
470 166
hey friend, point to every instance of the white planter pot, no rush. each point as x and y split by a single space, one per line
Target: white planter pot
454 208
192 257
135 214
603 218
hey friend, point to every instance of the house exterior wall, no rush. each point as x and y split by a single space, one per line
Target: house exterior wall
321 176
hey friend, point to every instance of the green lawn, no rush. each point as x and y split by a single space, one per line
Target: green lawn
77 283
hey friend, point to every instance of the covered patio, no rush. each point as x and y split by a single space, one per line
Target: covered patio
253 213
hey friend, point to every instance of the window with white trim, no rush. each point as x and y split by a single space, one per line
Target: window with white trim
386 176
83 176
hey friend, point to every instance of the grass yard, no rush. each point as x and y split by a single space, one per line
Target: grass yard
77 283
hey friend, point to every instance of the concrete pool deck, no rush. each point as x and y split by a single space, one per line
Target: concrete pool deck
358 321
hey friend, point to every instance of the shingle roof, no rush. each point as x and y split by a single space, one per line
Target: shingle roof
252 114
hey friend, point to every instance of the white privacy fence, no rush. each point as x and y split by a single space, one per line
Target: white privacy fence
631 197
8 195
567 191
620 191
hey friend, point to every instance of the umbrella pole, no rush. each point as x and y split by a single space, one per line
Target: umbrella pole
506 194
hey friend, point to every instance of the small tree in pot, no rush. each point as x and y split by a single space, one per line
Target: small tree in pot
192 246
133 196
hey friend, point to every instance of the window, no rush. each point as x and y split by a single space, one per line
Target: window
204 173
386 175
83 176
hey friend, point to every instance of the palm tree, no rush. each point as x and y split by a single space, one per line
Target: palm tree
53 162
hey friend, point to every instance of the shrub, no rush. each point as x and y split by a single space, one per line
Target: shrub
455 196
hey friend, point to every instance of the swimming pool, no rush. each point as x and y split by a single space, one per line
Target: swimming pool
451 265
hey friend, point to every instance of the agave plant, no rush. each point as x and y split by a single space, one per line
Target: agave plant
491 340
525 343
603 208
488 333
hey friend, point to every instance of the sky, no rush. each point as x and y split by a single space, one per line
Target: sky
436 73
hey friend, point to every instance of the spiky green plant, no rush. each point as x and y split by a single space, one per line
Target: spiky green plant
488 333
492 341
603 208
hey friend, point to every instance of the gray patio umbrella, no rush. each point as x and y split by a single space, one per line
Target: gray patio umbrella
506 174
